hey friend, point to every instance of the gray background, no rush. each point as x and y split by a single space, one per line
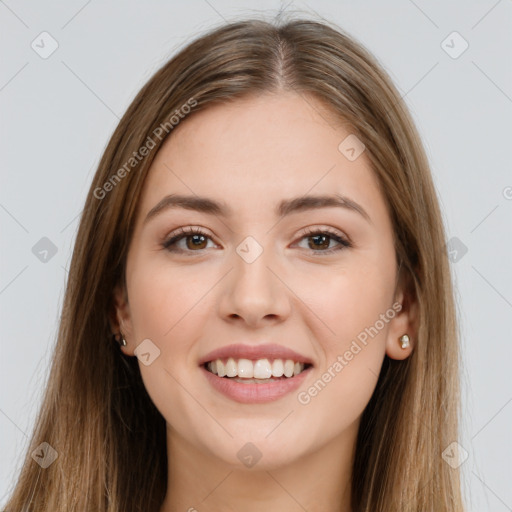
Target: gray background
57 114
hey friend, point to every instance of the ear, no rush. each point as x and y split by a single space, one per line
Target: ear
406 321
120 320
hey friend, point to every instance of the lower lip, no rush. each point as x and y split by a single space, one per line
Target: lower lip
255 393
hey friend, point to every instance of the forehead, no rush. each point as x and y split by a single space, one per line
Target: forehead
253 152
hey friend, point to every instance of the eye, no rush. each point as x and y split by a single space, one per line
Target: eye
320 239
194 238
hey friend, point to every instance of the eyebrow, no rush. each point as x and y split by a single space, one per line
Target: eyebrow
285 207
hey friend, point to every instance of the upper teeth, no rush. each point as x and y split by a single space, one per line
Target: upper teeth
260 369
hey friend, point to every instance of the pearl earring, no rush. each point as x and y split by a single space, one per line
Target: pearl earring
404 341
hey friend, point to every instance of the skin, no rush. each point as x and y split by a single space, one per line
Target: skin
251 154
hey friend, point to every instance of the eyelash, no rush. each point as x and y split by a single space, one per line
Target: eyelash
184 232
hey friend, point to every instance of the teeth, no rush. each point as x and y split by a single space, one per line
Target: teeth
221 371
230 368
261 369
245 369
288 368
277 368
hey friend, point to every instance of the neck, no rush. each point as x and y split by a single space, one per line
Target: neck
318 481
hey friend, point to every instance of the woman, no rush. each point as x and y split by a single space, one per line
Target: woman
263 240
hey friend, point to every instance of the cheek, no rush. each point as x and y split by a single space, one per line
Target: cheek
168 307
163 298
335 399
348 302
356 306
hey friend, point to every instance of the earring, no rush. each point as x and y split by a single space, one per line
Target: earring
404 341
119 338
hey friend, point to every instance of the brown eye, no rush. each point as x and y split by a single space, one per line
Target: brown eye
319 241
195 241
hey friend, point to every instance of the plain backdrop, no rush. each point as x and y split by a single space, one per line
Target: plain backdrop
58 111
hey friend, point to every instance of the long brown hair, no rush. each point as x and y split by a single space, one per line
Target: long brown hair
96 413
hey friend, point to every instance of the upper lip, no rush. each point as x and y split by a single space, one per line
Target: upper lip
268 351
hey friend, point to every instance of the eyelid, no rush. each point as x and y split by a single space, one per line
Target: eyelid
312 230
344 241
184 231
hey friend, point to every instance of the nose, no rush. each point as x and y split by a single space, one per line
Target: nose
254 293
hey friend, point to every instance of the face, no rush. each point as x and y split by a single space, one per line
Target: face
315 278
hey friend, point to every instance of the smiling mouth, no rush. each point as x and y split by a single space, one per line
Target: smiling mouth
261 371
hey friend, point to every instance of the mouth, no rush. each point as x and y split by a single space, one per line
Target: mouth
255 381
